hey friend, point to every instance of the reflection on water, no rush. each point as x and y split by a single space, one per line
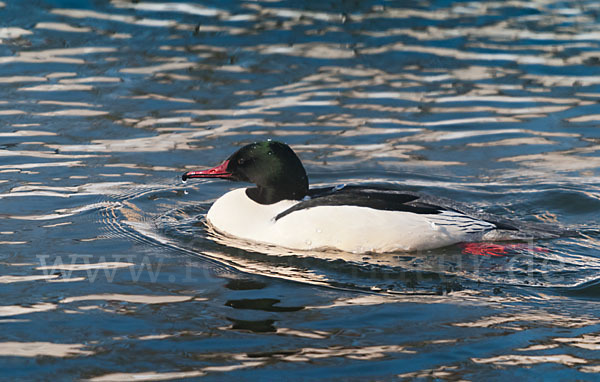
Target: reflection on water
106 255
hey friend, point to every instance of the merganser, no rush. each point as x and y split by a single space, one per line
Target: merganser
281 210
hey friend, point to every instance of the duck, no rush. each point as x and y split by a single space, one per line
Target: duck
282 210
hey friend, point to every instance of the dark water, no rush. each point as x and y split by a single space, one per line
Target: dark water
108 273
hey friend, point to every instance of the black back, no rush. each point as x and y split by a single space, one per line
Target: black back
371 197
386 199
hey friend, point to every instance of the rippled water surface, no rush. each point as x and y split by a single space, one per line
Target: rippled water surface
108 272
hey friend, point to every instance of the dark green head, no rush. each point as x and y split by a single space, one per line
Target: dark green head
272 166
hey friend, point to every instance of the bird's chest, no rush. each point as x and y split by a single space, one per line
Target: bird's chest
236 214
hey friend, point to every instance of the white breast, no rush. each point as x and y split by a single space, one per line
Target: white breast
347 228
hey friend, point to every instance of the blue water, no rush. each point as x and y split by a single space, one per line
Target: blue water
108 272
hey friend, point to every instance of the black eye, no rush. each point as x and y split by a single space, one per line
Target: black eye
240 161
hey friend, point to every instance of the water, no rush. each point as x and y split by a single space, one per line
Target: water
108 272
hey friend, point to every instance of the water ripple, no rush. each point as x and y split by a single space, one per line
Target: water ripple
107 256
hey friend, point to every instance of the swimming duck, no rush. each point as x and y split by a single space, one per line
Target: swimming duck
281 210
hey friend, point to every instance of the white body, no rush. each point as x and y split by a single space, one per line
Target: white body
346 228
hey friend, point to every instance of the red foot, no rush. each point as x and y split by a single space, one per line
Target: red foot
497 250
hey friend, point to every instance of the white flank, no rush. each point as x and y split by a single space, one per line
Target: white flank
346 228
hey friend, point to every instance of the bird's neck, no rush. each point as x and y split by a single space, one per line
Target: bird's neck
269 195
